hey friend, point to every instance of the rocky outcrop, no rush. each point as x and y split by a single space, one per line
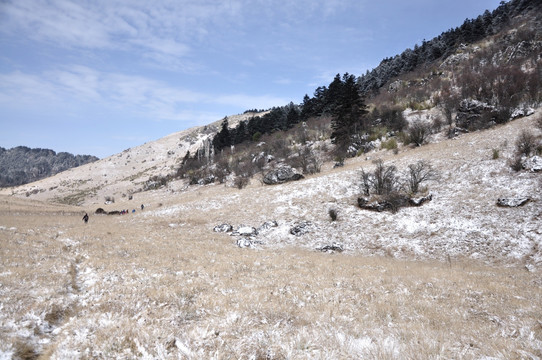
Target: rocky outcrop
281 175
392 202
469 113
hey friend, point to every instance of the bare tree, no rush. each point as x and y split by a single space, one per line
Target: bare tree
418 173
419 131
384 179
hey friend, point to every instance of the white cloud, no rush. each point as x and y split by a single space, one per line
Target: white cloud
136 94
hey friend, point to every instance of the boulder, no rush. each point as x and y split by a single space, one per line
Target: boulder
533 164
100 211
334 247
267 225
512 202
244 230
281 175
470 112
420 201
301 228
223 228
247 243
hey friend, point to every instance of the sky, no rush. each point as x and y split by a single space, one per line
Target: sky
100 76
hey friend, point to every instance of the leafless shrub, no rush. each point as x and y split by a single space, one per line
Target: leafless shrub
418 173
384 179
25 351
526 143
307 160
419 132
516 163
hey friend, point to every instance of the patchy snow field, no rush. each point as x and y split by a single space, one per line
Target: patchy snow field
458 277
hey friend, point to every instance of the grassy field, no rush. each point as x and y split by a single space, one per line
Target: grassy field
133 286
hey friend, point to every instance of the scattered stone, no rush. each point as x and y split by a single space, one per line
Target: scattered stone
247 243
301 228
281 175
267 225
223 228
244 230
512 202
533 164
334 247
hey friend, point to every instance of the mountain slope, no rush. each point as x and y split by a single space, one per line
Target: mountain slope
21 165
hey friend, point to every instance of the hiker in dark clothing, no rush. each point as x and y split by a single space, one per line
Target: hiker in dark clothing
85 218
142 207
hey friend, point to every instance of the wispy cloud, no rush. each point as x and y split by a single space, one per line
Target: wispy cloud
140 95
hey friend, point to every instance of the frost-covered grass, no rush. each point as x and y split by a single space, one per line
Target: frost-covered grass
458 277
136 287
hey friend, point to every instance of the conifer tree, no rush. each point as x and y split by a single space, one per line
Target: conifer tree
348 114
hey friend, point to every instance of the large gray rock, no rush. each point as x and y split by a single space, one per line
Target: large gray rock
281 175
470 111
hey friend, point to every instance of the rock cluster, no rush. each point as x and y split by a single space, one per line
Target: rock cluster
281 175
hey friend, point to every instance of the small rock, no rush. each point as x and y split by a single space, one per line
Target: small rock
301 228
512 202
223 228
334 247
420 201
268 225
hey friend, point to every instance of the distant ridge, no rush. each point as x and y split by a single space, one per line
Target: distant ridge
21 165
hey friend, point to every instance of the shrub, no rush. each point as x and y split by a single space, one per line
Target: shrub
526 143
516 163
391 144
419 131
384 179
418 173
241 181
333 214
495 154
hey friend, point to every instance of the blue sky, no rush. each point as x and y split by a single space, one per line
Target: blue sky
98 77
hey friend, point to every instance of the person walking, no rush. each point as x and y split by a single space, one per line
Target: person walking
85 218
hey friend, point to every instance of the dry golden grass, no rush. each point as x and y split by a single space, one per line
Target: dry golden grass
450 281
139 287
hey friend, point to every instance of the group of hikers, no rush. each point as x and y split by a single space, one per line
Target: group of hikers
122 212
